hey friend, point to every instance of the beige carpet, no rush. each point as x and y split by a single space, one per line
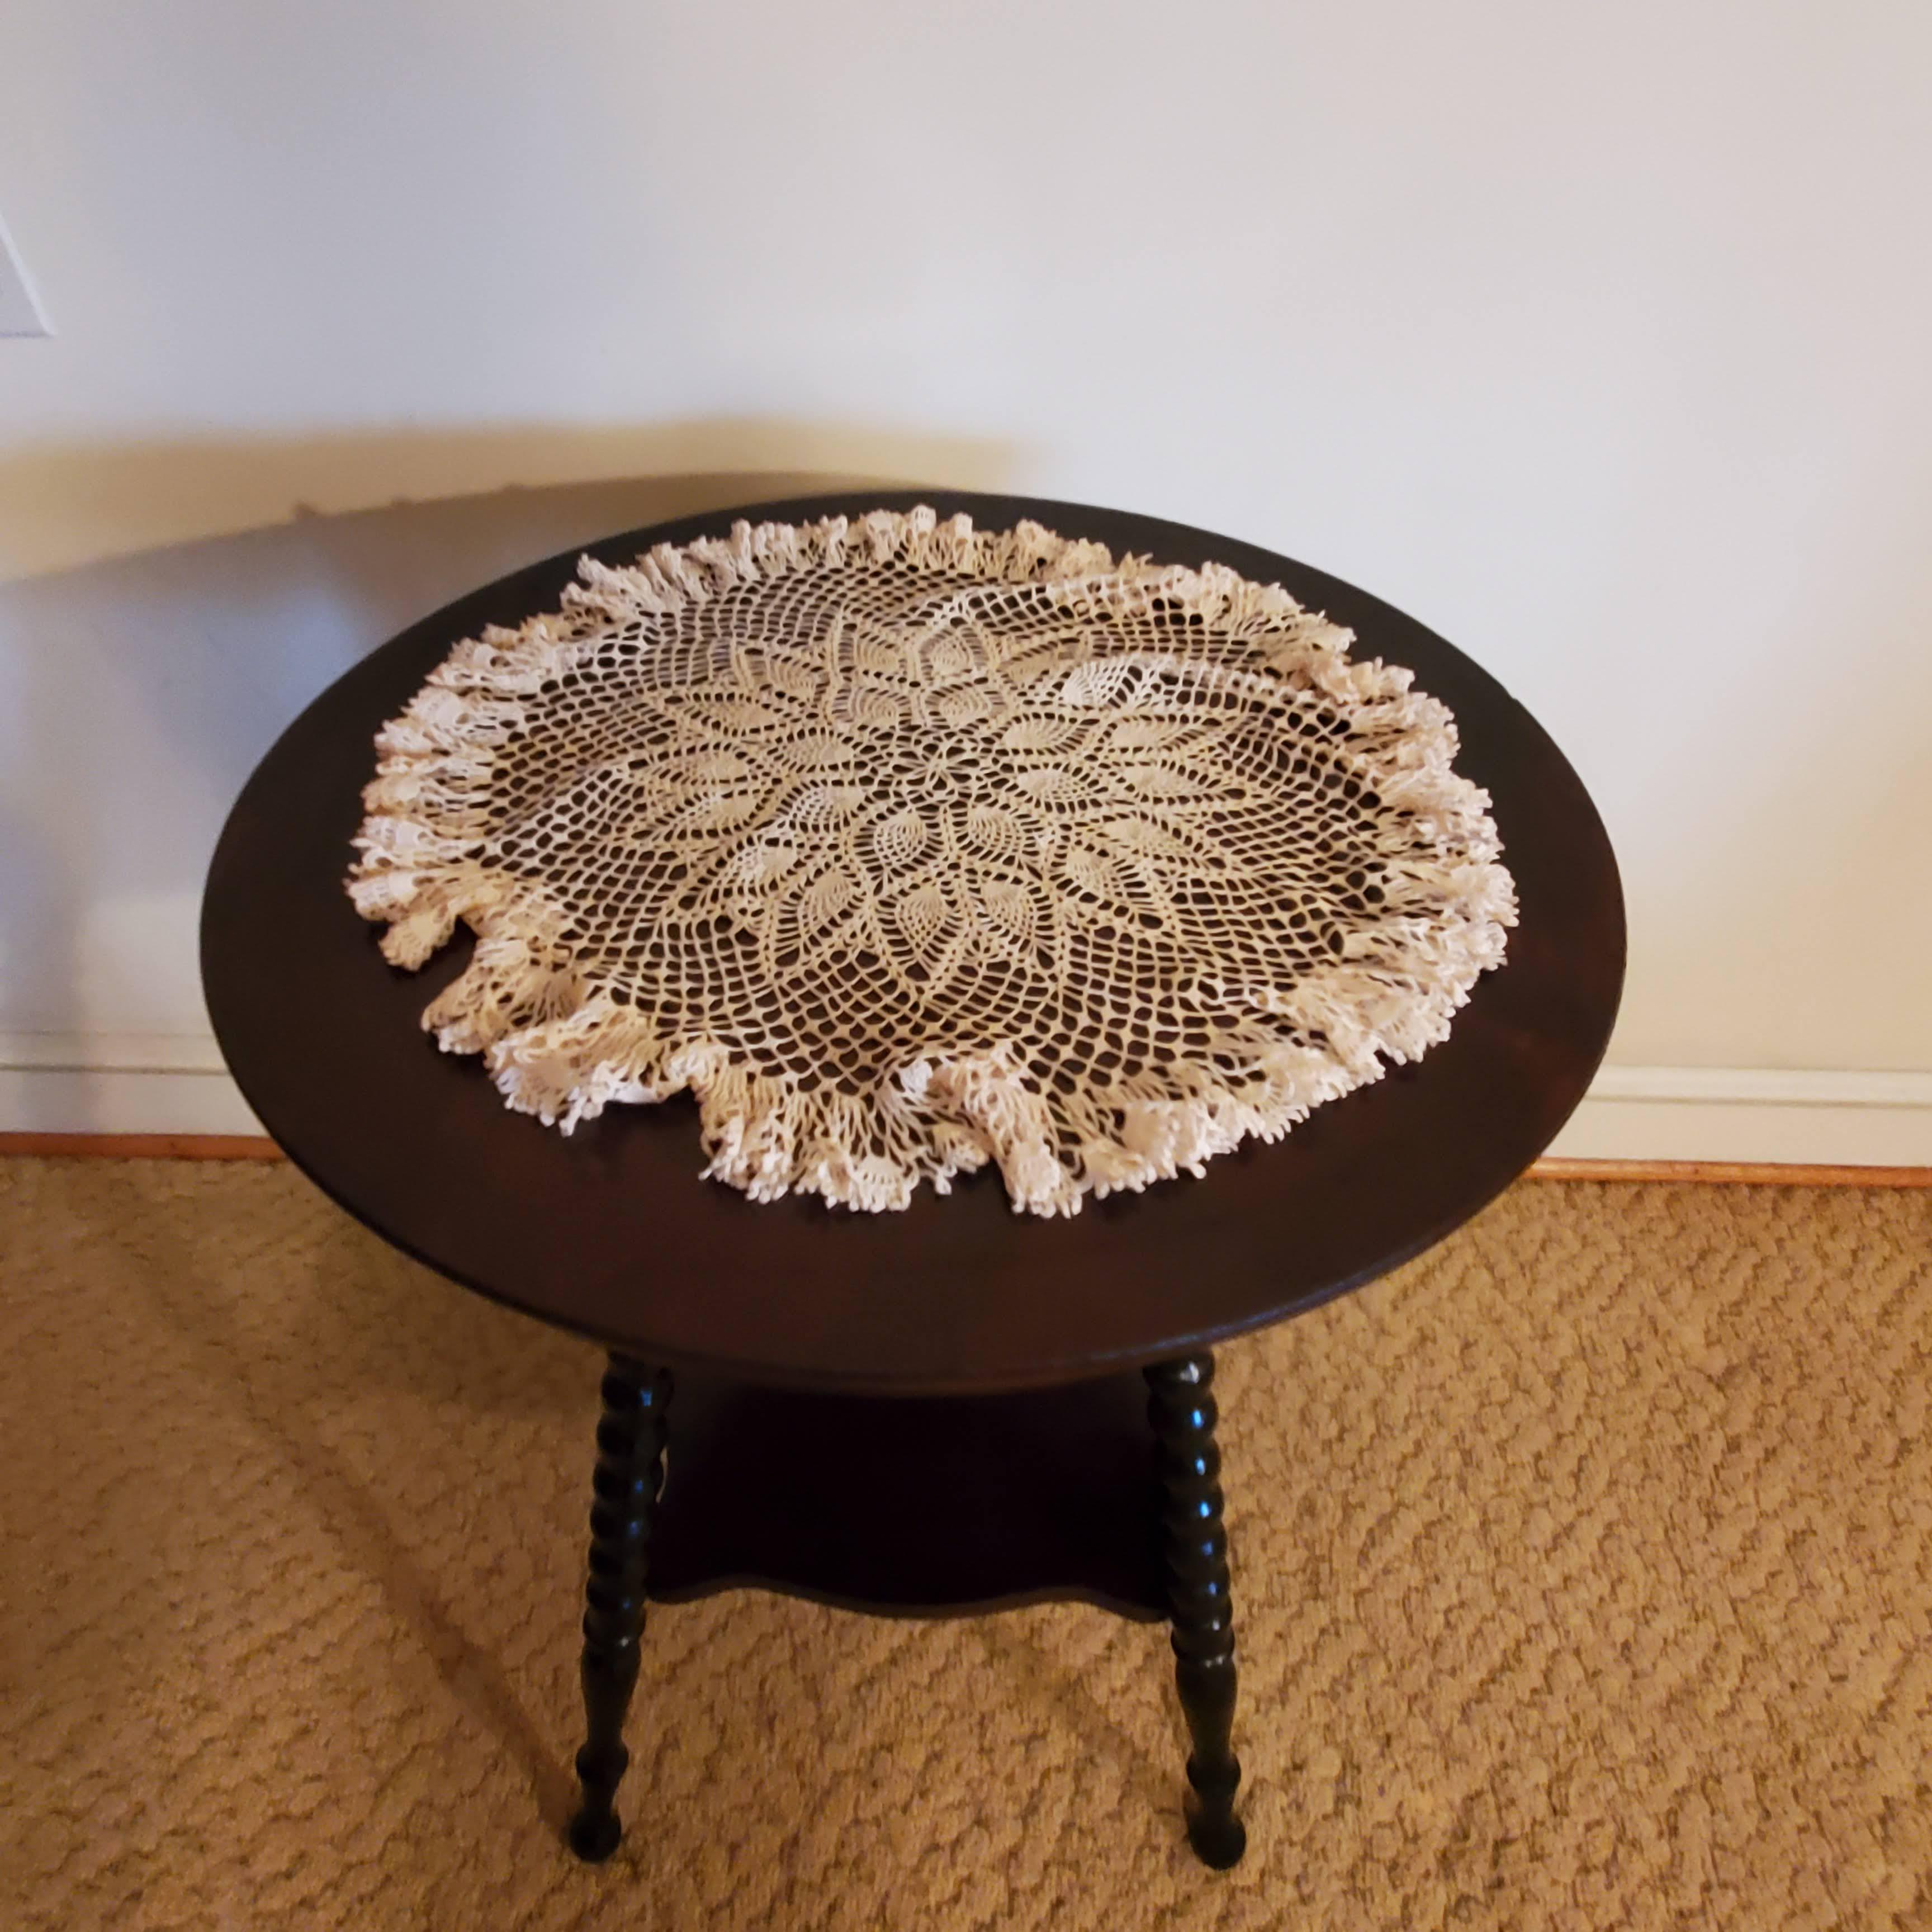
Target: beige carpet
1583 1572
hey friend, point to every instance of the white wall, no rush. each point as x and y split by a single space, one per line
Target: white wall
1597 338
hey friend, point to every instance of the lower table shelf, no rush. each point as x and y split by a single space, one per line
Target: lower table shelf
920 1508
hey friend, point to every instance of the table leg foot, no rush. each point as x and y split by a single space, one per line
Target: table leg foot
630 1461
1195 1548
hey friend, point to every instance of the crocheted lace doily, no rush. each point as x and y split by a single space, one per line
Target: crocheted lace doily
906 847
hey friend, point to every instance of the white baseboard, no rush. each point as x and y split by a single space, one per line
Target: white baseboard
1812 1118
118 1083
176 1084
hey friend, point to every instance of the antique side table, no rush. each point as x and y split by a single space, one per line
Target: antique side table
951 1408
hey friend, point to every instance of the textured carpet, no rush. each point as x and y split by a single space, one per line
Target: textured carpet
1582 1571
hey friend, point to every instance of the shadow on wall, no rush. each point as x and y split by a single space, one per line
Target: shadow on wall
137 693
66 505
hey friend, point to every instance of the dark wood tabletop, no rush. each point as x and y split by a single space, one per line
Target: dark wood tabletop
612 1234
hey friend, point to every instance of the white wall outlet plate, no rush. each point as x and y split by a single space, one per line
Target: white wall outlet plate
20 314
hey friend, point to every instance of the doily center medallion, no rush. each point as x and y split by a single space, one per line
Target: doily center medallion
908 847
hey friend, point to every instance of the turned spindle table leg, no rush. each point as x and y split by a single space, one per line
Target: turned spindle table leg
630 1463
1194 1546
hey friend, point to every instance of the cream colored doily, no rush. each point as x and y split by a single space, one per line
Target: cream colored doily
906 847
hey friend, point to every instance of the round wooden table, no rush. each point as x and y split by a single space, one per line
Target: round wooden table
1046 1354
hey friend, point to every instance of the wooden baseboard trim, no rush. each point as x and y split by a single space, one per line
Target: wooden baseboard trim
1762 1173
1751 1173
145 1146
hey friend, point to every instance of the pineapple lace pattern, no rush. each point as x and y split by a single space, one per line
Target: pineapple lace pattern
906 847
